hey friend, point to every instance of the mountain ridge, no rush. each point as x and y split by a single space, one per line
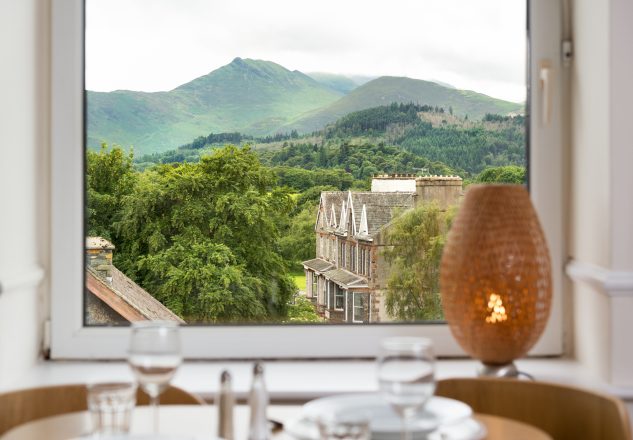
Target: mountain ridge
247 95
257 97
389 89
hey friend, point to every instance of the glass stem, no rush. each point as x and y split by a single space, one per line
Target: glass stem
404 434
154 402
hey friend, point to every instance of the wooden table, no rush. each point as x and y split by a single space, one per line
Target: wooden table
201 421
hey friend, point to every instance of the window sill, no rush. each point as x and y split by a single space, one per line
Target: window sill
296 381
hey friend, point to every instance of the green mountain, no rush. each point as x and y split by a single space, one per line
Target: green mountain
251 96
340 83
388 89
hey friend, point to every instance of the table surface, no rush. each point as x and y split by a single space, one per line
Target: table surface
201 422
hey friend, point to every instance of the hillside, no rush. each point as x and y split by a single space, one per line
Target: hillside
388 89
251 96
340 83
398 138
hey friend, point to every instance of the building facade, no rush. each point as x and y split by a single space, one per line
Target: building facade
347 279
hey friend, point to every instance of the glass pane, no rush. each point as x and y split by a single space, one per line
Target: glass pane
232 148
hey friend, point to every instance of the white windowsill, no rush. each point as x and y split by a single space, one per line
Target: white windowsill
298 380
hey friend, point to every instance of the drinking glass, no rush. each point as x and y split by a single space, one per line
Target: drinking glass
154 356
406 367
111 406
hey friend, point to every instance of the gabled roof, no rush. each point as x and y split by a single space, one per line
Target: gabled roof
127 298
329 209
380 209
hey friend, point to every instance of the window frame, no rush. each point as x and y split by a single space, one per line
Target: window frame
354 307
339 293
71 340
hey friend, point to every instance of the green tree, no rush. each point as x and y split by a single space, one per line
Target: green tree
202 282
302 311
227 204
312 195
506 174
299 242
110 177
416 239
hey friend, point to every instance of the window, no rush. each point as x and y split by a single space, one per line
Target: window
339 298
341 254
72 339
352 257
359 307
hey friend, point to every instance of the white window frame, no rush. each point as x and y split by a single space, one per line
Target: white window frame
339 293
71 340
354 307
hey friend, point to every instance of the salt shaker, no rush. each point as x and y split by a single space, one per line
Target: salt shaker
258 402
226 401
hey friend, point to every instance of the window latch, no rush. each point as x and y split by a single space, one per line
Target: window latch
567 51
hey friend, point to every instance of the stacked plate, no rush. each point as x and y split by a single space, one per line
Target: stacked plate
441 418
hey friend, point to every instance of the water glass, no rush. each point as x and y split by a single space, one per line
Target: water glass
111 406
406 376
154 356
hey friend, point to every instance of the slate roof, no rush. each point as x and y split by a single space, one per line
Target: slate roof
345 278
318 265
335 198
381 207
127 298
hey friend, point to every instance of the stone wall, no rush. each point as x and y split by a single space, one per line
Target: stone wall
99 256
446 190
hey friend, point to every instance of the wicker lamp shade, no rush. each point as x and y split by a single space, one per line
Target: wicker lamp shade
496 275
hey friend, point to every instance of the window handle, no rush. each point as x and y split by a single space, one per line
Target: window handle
545 80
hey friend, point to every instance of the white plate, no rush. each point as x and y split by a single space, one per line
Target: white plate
384 421
469 429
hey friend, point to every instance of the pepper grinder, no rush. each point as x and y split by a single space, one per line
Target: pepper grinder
226 401
258 402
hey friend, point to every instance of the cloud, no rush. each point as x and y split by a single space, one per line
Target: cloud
159 44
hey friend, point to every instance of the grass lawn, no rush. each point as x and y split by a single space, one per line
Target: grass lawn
300 280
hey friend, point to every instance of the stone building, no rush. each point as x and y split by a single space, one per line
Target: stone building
111 298
347 279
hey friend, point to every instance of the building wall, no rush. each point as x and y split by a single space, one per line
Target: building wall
444 191
24 143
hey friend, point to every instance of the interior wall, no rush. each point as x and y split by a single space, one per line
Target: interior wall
602 211
23 182
621 93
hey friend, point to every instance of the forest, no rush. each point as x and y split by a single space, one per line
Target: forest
217 228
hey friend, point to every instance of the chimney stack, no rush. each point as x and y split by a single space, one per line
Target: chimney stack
99 257
445 190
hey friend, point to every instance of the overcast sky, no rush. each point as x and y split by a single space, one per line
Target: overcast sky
153 45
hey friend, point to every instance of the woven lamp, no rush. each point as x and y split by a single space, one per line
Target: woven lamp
495 277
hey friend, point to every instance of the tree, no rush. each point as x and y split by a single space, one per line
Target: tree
416 239
110 177
506 174
201 281
302 311
299 242
217 219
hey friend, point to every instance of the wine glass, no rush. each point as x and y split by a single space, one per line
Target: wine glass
406 377
154 356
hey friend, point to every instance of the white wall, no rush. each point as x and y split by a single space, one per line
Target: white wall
23 181
602 181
